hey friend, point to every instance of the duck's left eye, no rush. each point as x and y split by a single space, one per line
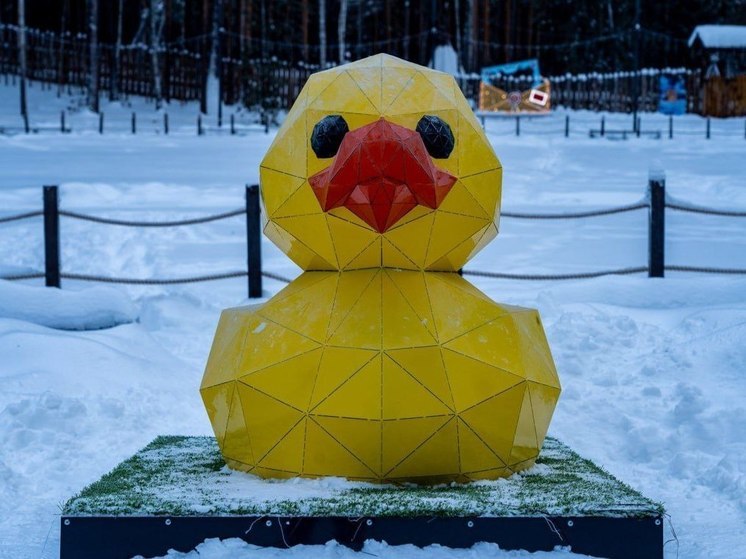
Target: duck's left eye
327 136
436 135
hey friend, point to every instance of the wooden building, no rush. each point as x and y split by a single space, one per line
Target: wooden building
720 53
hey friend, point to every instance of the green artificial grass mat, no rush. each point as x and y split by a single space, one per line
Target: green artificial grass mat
186 476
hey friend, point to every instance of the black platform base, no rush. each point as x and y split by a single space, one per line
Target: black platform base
108 537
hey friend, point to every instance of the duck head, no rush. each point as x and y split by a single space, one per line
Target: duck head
380 163
382 170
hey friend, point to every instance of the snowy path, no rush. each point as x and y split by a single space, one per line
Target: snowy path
654 371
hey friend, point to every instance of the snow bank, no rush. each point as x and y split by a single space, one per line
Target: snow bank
652 370
238 549
88 309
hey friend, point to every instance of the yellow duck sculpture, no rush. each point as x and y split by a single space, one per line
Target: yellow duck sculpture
380 362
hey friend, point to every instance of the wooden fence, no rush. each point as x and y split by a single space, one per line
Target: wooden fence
725 97
271 83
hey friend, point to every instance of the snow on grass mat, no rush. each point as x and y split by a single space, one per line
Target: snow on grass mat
186 476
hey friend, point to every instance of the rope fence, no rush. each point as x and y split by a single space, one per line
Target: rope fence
655 202
705 211
577 215
601 273
579 275
129 223
18 217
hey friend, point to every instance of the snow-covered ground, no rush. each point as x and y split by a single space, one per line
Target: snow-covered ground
653 371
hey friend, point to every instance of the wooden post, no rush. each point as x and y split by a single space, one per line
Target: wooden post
62 121
639 125
253 241
101 122
656 224
233 124
670 127
134 123
567 126
199 124
51 237
517 126
707 129
603 126
26 126
165 123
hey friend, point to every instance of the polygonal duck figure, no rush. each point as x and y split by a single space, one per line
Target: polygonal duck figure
380 362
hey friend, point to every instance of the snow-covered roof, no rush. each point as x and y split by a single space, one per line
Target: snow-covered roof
720 36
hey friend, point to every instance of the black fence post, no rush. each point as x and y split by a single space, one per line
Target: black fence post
253 241
517 126
670 127
199 124
51 237
101 122
603 126
707 129
656 224
233 124
165 123
639 125
567 126
134 123
26 125
62 121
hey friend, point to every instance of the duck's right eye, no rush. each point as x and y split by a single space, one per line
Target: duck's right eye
327 136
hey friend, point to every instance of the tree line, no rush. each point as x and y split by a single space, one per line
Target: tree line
565 35
234 37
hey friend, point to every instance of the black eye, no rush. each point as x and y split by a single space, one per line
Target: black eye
327 136
436 135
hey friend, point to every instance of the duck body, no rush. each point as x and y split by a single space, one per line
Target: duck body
380 362
381 375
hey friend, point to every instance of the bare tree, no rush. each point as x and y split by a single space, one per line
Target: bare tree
470 34
407 23
359 24
304 25
387 9
342 30
486 30
114 93
156 27
245 27
93 55
322 33
263 37
457 10
22 53
61 54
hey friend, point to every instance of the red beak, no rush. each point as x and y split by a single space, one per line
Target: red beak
380 173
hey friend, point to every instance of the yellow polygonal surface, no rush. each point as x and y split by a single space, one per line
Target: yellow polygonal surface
380 375
362 92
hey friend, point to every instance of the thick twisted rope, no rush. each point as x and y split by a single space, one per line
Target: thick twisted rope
129 223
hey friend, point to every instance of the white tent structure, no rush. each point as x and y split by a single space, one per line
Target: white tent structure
445 59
